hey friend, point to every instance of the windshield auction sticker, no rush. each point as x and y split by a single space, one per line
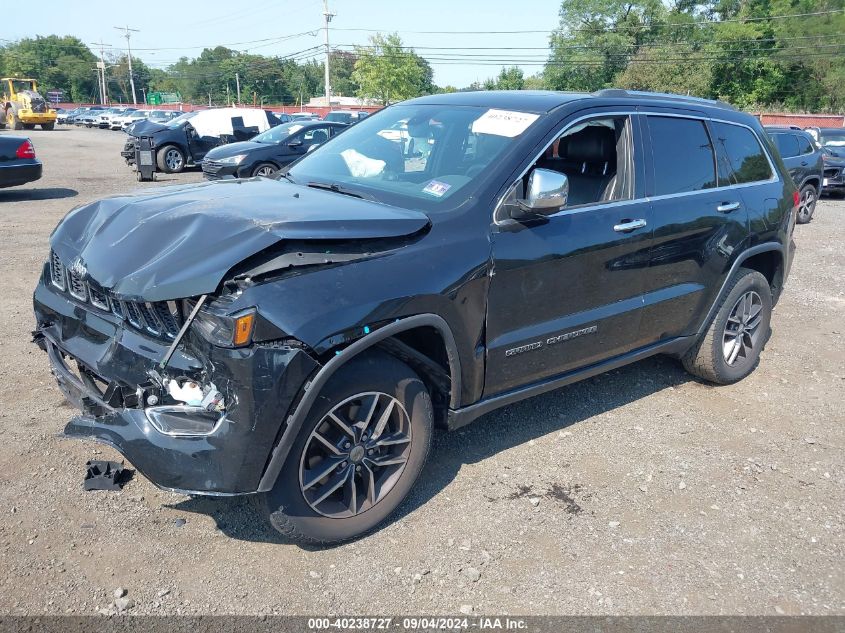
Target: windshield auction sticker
437 188
503 122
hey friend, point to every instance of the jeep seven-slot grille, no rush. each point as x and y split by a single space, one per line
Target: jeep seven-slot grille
159 318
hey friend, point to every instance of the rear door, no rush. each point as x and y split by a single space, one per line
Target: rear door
697 225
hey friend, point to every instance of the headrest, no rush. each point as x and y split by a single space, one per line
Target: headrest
319 137
591 145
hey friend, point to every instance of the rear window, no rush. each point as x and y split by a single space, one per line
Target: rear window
740 156
682 155
787 144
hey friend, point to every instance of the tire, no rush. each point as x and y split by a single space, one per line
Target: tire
269 168
170 159
12 120
373 382
807 204
48 126
28 126
713 357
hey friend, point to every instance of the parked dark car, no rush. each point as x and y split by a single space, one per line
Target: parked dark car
834 171
832 140
268 152
184 141
350 117
18 164
299 337
803 158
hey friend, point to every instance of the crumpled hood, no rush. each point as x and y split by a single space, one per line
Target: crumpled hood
181 241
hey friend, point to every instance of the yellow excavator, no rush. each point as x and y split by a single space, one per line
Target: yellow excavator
23 106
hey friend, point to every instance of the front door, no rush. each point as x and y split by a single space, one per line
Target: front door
566 289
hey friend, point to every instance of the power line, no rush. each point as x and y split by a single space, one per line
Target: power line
605 30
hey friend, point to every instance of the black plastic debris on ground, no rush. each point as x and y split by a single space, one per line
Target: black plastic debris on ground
104 475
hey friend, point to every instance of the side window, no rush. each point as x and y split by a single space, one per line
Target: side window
597 158
741 157
804 145
787 145
682 155
315 136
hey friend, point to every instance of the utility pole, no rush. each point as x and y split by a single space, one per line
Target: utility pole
129 59
328 17
101 71
238 85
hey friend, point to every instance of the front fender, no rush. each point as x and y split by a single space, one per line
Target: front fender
313 387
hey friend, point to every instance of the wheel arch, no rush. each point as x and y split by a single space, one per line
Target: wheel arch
396 338
768 259
812 180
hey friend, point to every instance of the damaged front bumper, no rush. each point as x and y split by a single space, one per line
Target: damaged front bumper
104 368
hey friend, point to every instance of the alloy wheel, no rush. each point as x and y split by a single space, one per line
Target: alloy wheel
173 159
742 329
355 455
265 171
807 203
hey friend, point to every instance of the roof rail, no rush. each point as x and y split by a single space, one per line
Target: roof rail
619 92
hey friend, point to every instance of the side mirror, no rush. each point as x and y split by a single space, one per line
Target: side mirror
294 144
547 192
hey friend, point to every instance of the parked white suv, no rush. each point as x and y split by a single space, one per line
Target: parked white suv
123 121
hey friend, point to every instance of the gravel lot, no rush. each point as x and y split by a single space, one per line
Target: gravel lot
636 492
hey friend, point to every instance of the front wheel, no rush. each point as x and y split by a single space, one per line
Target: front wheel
807 204
264 169
361 449
12 120
170 159
730 348
48 126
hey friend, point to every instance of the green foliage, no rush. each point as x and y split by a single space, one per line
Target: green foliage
725 49
510 79
56 62
388 72
596 39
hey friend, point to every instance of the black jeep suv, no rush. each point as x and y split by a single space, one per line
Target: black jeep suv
299 337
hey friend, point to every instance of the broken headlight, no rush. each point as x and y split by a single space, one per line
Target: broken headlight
226 331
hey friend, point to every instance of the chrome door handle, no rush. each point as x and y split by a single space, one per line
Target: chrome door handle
626 226
727 207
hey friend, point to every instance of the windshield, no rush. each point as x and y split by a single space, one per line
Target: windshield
415 155
833 138
21 84
278 133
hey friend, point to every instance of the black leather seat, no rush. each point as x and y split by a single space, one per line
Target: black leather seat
588 158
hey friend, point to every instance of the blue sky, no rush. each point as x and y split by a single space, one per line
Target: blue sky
200 23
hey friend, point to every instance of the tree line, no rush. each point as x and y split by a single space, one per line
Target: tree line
784 54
